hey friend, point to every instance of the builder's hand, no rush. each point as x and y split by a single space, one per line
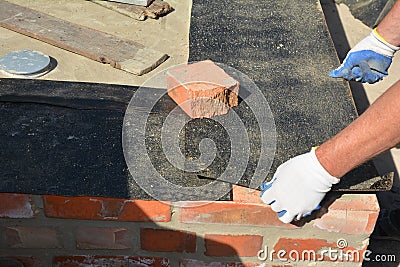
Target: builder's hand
297 188
368 61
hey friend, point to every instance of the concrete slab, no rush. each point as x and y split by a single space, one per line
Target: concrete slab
169 33
123 54
369 12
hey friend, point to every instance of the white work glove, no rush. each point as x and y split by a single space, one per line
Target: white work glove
297 188
368 61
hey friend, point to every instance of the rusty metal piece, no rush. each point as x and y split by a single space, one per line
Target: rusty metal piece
154 10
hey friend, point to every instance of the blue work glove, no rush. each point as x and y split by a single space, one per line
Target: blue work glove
368 61
297 188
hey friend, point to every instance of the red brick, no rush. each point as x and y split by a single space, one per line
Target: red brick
372 219
202 89
120 261
102 238
32 237
348 221
349 214
27 261
300 245
246 195
167 240
16 206
298 249
361 202
356 202
99 208
231 213
197 263
232 245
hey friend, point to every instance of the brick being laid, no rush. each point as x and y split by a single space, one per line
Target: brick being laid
202 89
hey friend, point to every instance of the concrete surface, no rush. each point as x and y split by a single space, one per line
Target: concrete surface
168 34
369 12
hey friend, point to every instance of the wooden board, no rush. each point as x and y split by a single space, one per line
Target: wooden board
154 10
120 53
134 2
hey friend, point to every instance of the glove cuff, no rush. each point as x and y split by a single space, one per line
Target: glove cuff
381 45
381 39
321 170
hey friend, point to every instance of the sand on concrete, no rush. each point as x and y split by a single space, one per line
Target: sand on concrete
168 34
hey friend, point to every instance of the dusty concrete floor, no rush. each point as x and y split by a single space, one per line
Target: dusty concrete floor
168 34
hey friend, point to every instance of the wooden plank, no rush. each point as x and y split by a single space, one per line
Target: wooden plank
154 10
120 53
134 2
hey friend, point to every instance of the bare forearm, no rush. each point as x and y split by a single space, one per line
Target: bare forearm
389 28
375 131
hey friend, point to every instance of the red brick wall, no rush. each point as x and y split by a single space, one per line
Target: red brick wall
95 231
